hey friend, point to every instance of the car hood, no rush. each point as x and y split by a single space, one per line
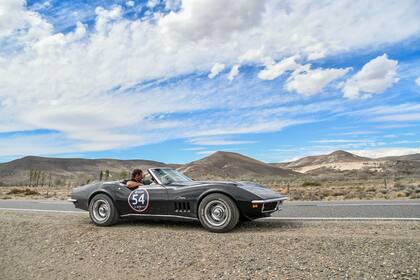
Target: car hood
256 189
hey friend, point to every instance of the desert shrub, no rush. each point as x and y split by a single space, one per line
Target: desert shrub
400 194
383 191
23 192
371 189
16 191
311 184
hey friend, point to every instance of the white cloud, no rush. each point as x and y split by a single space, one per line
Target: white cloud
152 3
418 81
85 80
343 141
216 69
130 3
194 149
11 16
206 153
234 71
172 5
316 51
408 117
212 141
375 77
307 82
272 71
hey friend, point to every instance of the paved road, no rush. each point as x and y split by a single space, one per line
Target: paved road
402 209
362 209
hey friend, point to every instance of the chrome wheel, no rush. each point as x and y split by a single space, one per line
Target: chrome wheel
216 213
101 210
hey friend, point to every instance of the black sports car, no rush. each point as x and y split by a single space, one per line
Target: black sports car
219 206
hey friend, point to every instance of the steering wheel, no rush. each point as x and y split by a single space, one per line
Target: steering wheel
165 179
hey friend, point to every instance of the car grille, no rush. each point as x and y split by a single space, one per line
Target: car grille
182 207
270 206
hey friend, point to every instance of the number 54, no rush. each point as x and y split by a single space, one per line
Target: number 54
140 199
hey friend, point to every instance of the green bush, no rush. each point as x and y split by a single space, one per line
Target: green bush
311 184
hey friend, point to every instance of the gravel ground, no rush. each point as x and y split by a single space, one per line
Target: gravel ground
68 246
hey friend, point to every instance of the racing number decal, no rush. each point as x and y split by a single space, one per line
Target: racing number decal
139 200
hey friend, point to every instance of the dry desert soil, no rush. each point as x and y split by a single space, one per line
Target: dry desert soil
69 246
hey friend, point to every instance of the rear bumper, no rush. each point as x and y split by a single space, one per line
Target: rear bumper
79 203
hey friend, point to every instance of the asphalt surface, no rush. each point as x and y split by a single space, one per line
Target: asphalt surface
317 210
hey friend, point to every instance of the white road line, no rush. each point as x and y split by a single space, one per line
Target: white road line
342 218
42 210
55 202
365 204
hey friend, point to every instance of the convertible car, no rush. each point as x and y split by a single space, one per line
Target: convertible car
219 206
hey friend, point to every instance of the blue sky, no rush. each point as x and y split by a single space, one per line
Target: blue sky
174 81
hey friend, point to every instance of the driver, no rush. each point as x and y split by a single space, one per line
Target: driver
135 181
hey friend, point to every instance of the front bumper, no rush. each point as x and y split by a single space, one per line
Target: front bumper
270 205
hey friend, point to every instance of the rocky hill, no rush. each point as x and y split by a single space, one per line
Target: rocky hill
338 160
231 165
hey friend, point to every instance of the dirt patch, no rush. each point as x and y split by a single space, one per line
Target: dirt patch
68 246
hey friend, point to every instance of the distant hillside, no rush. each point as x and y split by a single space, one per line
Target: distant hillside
220 165
231 166
413 157
338 160
74 170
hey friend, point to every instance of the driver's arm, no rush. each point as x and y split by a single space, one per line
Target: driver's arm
133 185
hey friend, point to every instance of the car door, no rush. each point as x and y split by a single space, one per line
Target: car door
146 200
182 200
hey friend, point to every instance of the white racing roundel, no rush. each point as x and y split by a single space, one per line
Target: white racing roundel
139 200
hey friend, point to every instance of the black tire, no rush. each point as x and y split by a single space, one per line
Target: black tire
218 213
102 210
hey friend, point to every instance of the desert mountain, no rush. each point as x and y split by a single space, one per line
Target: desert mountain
338 160
231 166
76 170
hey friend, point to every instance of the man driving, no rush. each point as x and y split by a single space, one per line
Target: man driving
135 181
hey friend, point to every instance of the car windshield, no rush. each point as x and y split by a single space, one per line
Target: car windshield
168 176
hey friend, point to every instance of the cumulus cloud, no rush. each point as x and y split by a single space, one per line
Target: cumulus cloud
234 71
272 71
216 69
307 82
84 80
375 77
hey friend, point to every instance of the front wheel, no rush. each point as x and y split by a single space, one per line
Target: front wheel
218 213
102 210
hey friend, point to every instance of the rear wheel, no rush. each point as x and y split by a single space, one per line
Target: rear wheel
102 210
218 213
